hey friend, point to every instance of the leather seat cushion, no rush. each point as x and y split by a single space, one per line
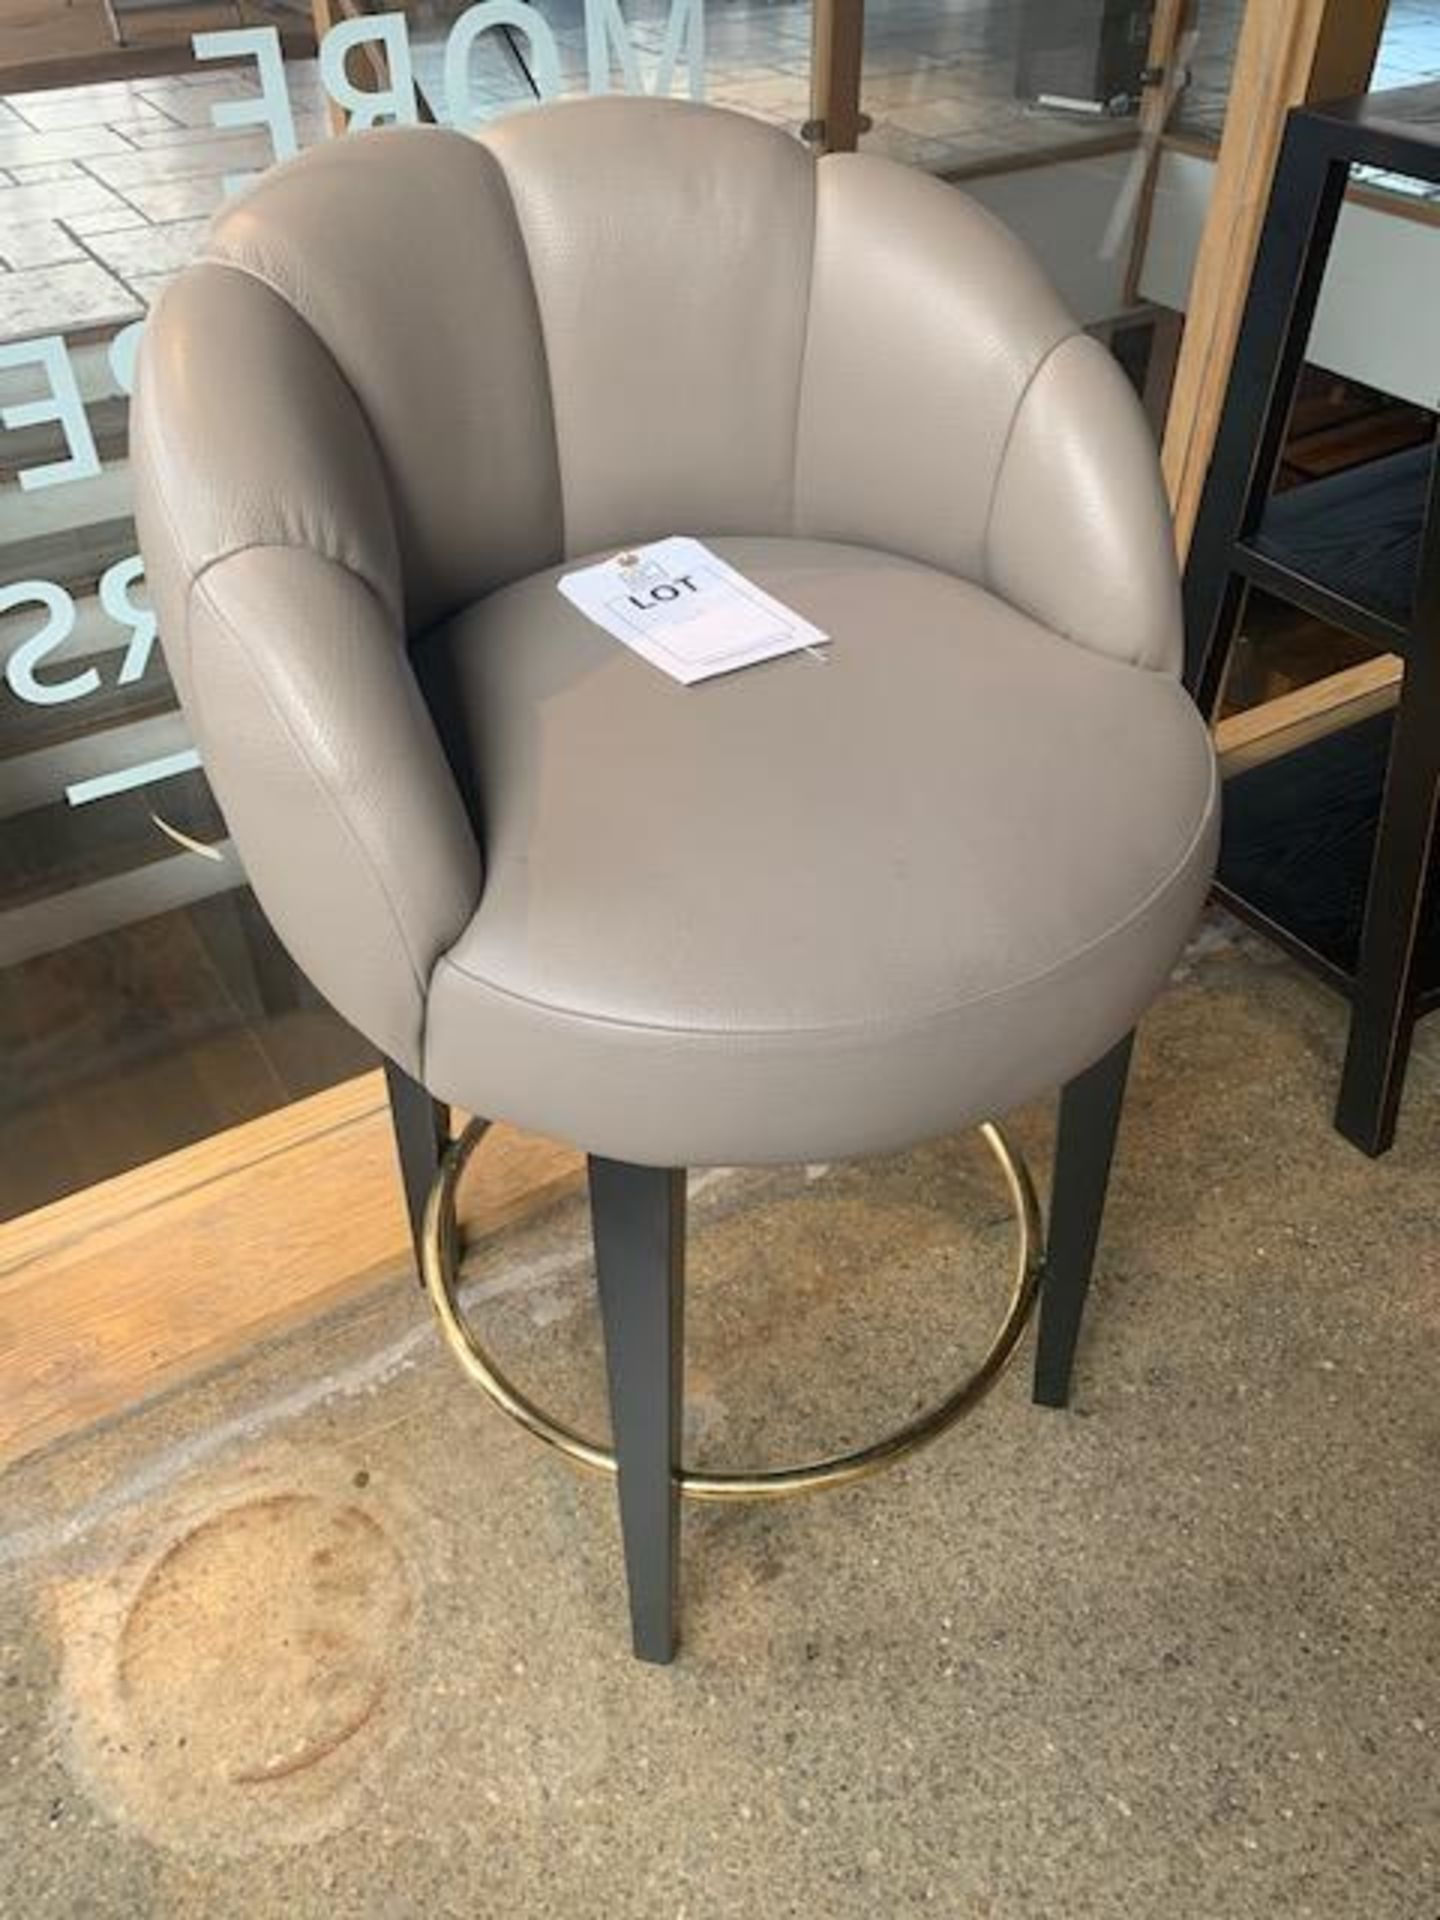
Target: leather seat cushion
811 909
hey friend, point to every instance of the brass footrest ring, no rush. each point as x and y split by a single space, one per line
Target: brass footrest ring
440 1264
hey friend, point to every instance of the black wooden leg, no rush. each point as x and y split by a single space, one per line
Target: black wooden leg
1084 1147
422 1131
1382 1019
638 1220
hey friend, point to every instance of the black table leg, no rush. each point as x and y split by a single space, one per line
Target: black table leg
1382 1020
638 1221
422 1132
1084 1147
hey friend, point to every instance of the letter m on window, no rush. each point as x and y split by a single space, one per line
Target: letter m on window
607 38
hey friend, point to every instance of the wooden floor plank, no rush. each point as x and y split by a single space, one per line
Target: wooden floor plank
148 1279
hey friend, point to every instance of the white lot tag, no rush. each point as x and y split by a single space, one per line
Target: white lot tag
686 611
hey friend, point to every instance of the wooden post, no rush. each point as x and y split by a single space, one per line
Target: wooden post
325 14
1290 51
839 44
322 12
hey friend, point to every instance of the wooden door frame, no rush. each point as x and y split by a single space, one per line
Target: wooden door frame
1290 52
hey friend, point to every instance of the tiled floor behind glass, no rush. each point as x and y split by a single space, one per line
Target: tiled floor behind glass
105 189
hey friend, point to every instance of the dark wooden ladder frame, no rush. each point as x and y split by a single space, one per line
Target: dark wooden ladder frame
1398 132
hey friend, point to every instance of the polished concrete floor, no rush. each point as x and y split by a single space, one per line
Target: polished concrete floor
324 1635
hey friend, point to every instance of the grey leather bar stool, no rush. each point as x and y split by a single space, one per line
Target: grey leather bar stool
797 914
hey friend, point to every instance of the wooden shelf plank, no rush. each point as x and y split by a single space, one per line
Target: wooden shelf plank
1353 540
1278 726
1290 51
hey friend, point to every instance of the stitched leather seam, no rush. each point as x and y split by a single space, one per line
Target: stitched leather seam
280 716
804 349
264 280
918 1023
156 495
1039 367
1076 638
424 974
335 560
524 241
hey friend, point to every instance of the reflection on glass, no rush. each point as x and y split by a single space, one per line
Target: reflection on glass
1409 57
143 1001
1409 54
1214 38
756 56
949 84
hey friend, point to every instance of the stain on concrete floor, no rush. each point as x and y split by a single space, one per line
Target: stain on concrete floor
1173 1653
229 1682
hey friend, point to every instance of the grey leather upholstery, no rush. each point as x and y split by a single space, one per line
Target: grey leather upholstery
807 911
872 898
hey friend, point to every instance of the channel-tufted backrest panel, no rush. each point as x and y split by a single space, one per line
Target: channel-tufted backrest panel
927 322
669 247
399 254
616 319
953 411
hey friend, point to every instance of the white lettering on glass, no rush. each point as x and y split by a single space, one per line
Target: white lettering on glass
606 32
59 625
607 43
272 110
488 17
62 404
115 585
123 349
608 48
369 106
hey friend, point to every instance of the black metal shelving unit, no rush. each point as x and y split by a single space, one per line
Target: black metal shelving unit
1331 848
1347 548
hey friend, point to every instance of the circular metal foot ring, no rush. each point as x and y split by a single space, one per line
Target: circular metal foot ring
440 1264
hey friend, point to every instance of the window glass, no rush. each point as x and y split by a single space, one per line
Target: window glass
957 88
144 1003
1409 56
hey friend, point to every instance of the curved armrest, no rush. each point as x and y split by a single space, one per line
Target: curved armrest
325 761
271 558
952 410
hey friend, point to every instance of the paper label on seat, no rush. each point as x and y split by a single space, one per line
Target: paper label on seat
687 611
